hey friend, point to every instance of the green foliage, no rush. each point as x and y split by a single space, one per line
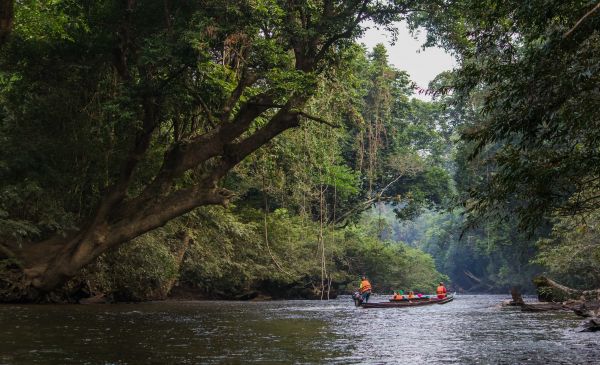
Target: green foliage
107 106
392 265
530 74
224 258
307 175
493 257
48 20
144 269
229 258
525 97
572 251
80 81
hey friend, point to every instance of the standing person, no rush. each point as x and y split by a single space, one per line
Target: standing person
365 289
441 291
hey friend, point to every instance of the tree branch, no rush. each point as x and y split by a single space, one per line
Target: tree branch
317 119
152 212
346 34
118 191
363 206
587 15
304 114
205 109
165 209
189 154
247 79
367 203
124 47
235 152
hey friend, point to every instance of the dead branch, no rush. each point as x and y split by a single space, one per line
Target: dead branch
583 18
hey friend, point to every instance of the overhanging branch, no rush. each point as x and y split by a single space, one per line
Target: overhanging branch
303 114
583 18
317 119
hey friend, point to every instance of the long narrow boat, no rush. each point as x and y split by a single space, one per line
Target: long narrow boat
408 303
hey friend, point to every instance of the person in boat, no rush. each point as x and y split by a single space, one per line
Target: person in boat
441 291
399 295
411 294
365 289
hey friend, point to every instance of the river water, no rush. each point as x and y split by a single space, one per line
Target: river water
469 330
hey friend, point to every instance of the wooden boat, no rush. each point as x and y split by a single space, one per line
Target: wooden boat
408 303
417 299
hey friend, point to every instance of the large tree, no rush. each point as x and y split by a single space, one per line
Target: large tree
118 116
530 72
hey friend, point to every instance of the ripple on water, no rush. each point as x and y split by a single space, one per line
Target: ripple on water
470 330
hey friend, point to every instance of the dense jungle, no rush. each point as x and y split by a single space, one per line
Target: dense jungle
257 150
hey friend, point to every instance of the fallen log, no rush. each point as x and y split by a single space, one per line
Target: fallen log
592 325
555 296
542 307
551 291
581 308
588 309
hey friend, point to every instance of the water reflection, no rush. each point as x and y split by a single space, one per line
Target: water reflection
470 330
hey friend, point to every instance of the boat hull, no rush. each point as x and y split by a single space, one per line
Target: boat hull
409 303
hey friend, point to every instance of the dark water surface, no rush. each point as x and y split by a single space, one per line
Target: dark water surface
470 330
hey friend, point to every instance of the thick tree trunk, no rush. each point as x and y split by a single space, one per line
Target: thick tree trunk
6 20
186 241
49 264
517 298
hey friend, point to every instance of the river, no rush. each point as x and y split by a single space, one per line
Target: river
472 329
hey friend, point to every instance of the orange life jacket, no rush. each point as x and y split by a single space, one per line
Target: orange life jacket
365 286
441 290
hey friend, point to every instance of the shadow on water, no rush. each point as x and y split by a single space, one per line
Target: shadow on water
470 330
